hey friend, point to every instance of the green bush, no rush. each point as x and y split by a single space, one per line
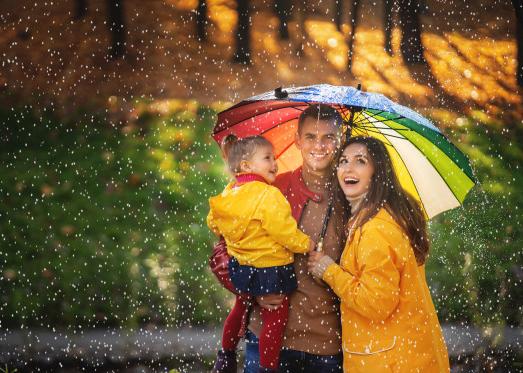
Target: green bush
476 266
104 226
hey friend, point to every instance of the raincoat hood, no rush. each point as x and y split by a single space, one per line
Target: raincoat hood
232 211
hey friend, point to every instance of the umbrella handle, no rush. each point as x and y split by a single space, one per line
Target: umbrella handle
319 246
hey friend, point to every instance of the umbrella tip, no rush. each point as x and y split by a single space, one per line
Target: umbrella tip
280 93
359 86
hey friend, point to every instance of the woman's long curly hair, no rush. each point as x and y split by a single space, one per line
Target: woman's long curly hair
386 192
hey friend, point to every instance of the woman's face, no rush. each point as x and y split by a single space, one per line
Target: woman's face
355 170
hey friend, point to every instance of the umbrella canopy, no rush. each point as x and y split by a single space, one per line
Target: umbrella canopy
428 165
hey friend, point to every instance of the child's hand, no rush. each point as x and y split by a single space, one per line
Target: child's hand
270 301
312 245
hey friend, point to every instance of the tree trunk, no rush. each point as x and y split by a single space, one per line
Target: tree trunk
80 10
283 11
301 32
518 6
201 20
387 15
338 13
411 47
116 24
243 34
353 25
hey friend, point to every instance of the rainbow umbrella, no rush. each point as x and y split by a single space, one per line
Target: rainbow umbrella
428 165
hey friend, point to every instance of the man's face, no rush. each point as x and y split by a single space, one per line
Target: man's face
317 141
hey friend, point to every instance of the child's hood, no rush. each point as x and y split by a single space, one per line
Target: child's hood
234 208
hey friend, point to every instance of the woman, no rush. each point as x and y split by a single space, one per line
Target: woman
389 323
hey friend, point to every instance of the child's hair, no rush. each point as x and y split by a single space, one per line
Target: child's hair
236 150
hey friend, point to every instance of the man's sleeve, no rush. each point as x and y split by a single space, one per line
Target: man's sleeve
219 264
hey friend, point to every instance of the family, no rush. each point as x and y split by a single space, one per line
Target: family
362 303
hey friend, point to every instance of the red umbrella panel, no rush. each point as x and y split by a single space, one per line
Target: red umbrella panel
276 120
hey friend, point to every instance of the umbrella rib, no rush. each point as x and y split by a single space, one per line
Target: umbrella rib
408 171
405 165
265 112
394 129
443 138
373 116
377 130
432 164
439 173
412 179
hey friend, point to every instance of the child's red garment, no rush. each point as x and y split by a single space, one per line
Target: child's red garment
233 324
255 220
271 336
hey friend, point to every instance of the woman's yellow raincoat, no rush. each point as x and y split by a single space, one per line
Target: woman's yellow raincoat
389 323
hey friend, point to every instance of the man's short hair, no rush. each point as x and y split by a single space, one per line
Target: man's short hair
320 112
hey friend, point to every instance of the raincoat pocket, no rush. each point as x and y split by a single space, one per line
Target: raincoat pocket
372 348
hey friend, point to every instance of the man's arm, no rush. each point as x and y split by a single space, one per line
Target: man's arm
219 263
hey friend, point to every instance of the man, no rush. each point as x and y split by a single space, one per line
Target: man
312 341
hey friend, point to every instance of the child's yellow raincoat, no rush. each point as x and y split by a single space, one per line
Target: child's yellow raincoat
255 220
389 323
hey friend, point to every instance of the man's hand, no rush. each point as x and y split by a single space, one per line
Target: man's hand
314 257
270 301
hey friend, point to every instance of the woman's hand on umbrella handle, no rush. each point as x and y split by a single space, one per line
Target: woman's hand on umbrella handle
314 258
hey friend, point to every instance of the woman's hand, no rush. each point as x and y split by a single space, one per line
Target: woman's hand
314 257
318 263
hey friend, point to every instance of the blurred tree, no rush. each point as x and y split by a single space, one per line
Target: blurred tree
243 33
116 24
301 33
411 47
387 15
80 10
518 6
353 25
338 13
201 20
283 10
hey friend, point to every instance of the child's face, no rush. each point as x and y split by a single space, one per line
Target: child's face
262 163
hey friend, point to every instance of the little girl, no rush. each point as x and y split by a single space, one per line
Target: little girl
261 235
